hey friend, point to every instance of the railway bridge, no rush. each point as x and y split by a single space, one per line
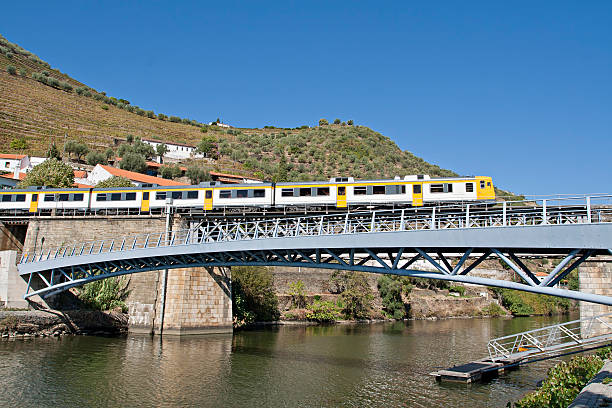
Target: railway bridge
453 241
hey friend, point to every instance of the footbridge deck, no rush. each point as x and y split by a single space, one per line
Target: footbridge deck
452 242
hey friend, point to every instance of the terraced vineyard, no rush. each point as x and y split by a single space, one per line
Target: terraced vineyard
43 114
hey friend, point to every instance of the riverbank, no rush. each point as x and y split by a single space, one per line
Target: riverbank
47 323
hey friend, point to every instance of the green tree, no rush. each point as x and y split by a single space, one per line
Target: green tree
337 121
11 69
19 144
253 297
133 162
350 122
390 290
129 139
78 149
115 181
356 294
161 116
94 158
53 152
208 146
161 149
171 171
323 122
50 173
296 291
197 174
281 170
109 153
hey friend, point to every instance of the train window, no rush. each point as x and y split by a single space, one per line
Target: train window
361 190
130 196
115 197
482 184
64 197
208 194
378 190
488 184
322 191
342 191
242 193
20 198
6 198
416 189
436 188
305 192
224 194
99 197
160 195
34 198
177 195
77 197
449 188
469 187
192 194
259 193
145 195
49 197
287 192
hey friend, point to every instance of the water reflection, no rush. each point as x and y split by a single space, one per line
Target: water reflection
347 365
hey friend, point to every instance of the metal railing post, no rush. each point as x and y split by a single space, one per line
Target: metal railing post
372 223
588 208
504 214
544 221
467 216
433 218
402 221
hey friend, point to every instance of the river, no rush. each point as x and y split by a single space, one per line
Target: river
364 365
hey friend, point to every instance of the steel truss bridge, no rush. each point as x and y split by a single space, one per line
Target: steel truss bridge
452 241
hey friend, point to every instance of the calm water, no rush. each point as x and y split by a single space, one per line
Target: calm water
378 365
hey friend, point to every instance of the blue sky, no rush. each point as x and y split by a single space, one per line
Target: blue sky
520 91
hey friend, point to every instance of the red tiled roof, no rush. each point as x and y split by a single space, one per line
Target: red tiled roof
157 165
80 174
227 175
141 178
78 185
11 176
12 156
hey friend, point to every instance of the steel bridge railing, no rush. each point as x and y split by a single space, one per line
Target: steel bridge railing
567 210
552 339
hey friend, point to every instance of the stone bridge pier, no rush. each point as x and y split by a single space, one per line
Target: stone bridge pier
173 302
596 278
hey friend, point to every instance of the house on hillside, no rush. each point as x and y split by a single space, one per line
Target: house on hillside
102 172
12 162
176 150
231 178
222 125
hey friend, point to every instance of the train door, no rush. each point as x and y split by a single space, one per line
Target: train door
208 199
34 203
145 206
417 194
341 197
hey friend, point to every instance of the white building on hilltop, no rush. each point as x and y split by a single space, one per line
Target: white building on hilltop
176 150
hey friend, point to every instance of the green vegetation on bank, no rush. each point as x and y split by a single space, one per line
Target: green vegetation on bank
565 381
253 297
105 294
525 304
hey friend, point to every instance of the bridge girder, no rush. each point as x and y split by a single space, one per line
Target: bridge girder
449 264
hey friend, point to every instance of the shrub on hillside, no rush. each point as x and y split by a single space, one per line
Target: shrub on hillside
390 290
175 119
150 114
78 149
19 144
161 116
23 72
66 86
350 122
337 121
323 122
98 97
11 69
50 173
80 90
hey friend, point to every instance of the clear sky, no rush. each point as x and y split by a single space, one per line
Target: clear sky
520 91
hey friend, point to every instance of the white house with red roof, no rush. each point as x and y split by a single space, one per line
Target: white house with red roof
176 150
14 162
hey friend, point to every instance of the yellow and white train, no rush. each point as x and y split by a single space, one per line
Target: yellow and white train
338 193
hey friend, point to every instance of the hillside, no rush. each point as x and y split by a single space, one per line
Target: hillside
47 110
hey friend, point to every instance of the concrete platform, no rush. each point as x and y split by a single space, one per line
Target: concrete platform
596 393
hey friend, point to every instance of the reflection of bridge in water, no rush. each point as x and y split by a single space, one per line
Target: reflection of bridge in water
453 240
